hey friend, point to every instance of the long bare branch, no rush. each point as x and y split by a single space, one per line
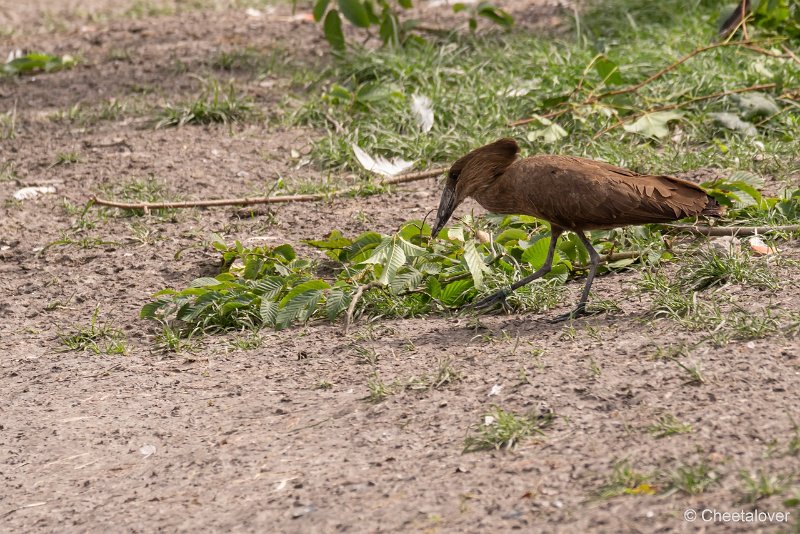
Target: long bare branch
591 99
731 230
250 201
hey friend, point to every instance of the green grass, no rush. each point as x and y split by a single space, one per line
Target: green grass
668 425
693 479
625 480
217 103
714 314
97 338
8 171
478 85
503 429
8 124
140 189
710 268
760 485
66 158
444 375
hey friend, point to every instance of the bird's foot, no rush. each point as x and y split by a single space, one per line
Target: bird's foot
492 300
579 311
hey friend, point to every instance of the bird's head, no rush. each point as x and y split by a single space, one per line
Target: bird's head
471 173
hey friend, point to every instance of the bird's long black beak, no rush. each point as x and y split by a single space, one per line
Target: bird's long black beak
447 205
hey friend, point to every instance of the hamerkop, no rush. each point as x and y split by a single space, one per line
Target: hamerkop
570 193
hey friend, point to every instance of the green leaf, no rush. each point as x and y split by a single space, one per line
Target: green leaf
548 134
319 9
205 282
429 267
749 178
269 288
557 100
608 71
495 14
731 121
311 285
653 124
455 234
360 248
410 249
475 263
334 241
536 254
511 234
756 105
619 264
336 303
413 229
333 30
395 258
405 4
354 11
390 30
293 309
285 251
434 287
268 311
151 309
405 281
458 7
455 293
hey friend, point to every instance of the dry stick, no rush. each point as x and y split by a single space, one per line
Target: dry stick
356 296
790 53
731 230
720 94
636 87
404 178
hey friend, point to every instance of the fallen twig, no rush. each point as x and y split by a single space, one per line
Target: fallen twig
731 230
591 99
720 94
249 201
348 318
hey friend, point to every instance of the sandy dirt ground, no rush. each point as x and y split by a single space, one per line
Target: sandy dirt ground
217 438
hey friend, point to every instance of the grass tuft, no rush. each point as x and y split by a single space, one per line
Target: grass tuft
711 268
668 425
502 429
693 479
216 104
97 338
624 480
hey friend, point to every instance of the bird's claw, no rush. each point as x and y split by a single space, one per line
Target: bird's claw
580 311
491 300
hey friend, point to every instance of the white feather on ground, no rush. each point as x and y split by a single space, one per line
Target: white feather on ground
380 165
422 108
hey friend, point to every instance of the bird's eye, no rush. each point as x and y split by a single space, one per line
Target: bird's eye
453 175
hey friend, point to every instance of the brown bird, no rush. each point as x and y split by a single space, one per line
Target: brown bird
570 193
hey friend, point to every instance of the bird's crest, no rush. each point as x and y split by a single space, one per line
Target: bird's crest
489 160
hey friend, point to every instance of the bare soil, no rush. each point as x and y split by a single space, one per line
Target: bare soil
218 438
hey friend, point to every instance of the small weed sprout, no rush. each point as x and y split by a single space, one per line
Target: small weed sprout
693 479
216 104
66 158
97 338
760 485
503 429
668 425
624 480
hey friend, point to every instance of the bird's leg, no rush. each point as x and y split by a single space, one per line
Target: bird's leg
580 309
501 295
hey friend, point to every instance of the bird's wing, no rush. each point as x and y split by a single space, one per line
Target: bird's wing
580 193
